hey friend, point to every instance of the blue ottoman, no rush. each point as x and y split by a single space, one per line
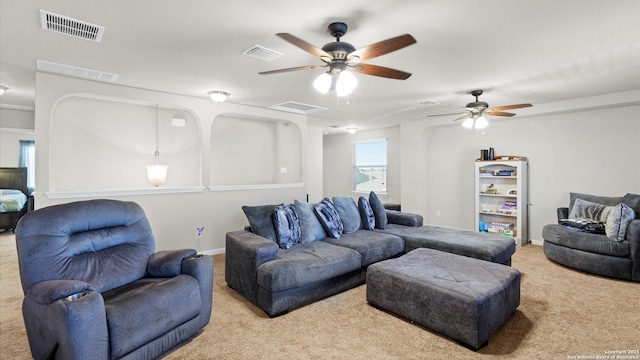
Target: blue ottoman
464 298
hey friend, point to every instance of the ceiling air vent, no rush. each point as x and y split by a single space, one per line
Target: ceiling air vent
262 53
72 27
296 107
75 71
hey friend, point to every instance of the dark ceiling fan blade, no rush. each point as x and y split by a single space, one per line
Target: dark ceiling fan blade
499 113
382 47
310 48
381 71
306 67
510 107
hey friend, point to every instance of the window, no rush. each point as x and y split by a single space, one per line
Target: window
370 165
28 160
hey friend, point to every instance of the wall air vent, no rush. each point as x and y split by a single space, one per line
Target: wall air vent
72 27
296 107
75 71
262 53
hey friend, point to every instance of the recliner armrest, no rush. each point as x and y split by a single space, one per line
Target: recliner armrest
167 263
404 218
201 267
563 213
66 319
633 237
46 292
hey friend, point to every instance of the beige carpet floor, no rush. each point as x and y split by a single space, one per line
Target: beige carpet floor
562 313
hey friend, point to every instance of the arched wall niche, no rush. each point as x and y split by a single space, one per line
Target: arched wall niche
249 150
100 143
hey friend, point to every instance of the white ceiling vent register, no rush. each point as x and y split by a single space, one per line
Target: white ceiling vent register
262 53
75 71
296 107
72 27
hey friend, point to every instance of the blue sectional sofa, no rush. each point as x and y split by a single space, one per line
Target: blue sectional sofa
278 275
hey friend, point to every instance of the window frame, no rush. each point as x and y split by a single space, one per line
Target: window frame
355 166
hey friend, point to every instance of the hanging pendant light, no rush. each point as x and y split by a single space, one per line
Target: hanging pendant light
157 173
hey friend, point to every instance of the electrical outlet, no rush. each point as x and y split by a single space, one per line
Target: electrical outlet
199 231
438 213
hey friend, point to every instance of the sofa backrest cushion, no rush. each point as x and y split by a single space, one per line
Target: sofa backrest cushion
329 218
604 200
310 227
379 212
261 220
349 213
106 243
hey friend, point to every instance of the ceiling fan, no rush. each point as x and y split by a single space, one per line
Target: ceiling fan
475 111
339 56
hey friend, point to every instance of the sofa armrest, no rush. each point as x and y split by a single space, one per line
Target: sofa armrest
201 267
245 252
167 263
66 319
562 213
404 218
633 237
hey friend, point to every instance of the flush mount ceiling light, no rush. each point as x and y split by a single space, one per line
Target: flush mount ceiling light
3 89
352 130
157 173
219 96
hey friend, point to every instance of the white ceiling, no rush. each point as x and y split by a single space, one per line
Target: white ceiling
519 51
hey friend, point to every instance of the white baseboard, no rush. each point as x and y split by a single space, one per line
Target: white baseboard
537 242
213 251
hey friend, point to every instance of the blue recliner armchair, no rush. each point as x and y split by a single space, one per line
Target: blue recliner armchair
95 289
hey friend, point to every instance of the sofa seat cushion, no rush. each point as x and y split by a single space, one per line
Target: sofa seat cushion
149 304
373 246
305 264
483 246
593 243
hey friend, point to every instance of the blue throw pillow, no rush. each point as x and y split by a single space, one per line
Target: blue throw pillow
287 226
366 214
349 214
329 218
261 220
379 211
310 227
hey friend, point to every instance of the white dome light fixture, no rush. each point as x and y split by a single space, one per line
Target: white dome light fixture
342 82
475 121
3 89
219 96
352 130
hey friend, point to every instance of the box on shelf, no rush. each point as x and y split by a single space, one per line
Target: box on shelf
501 228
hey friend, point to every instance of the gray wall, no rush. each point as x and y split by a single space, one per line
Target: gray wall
571 147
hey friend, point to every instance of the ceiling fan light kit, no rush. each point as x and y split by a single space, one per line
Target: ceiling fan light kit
475 111
342 59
